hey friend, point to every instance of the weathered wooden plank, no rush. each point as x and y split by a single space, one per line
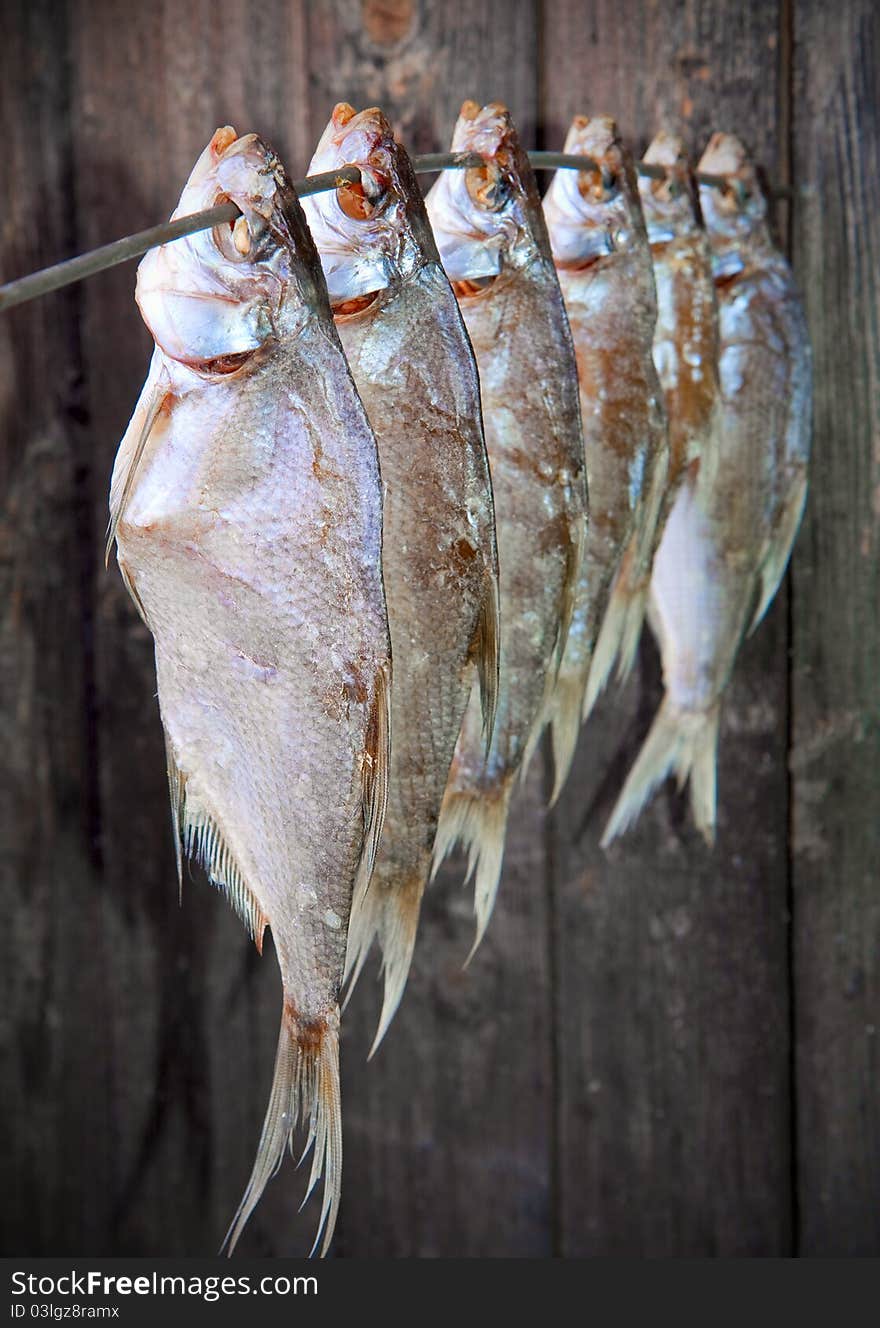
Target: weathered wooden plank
137 1038
835 759
449 1128
673 1092
49 860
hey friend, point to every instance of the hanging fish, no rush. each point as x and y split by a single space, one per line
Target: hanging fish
491 235
686 335
594 219
246 509
728 539
413 365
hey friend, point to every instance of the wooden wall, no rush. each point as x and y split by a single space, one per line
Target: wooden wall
662 1051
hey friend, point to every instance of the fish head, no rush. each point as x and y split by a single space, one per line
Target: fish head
213 298
670 205
595 212
376 232
486 217
738 210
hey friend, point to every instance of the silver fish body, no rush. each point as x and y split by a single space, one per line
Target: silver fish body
493 242
402 331
730 534
246 507
600 246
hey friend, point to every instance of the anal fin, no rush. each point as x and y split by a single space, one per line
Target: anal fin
777 556
198 837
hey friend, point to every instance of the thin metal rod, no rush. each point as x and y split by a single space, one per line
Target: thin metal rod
132 246
429 162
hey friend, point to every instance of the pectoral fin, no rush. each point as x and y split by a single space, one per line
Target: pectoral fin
779 550
154 397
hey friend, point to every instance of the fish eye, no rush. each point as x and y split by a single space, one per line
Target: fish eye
487 187
362 200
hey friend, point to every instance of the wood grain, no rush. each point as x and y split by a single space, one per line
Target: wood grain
835 759
613 1074
50 860
673 1090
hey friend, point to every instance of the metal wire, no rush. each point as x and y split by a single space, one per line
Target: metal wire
110 255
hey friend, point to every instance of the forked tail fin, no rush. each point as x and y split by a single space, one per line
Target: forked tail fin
565 725
478 820
390 913
622 624
608 643
632 631
305 1092
681 741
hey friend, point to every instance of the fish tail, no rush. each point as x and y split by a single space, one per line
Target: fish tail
477 820
608 645
680 741
565 725
704 775
632 632
390 916
305 1092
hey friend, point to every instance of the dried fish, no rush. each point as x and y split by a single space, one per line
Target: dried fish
729 536
600 247
402 331
492 239
246 508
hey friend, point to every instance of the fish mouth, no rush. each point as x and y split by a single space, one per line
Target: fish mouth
724 154
364 139
596 136
672 198
488 186
582 205
727 155
488 132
